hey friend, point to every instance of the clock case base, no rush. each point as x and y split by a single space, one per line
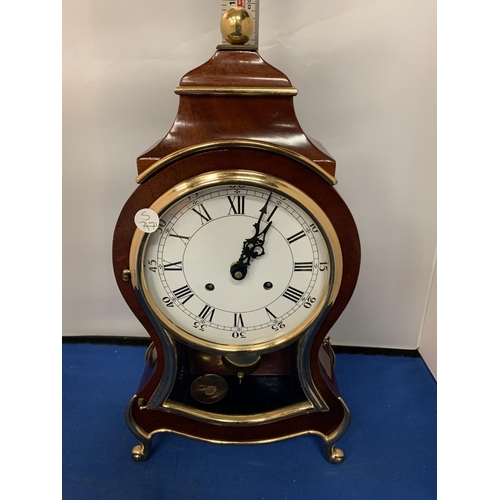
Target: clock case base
236 111
270 388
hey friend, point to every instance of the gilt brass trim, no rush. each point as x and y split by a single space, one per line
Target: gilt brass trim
332 438
170 366
241 91
140 452
218 178
331 353
234 143
169 351
151 355
145 437
238 420
306 341
304 370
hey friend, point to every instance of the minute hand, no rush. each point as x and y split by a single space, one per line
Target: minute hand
262 211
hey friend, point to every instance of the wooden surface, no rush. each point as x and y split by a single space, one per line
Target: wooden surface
203 118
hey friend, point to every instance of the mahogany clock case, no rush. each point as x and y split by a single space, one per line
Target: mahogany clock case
236 112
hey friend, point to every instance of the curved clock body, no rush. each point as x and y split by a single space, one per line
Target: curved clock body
254 259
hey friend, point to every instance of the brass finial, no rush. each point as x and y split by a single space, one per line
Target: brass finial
237 26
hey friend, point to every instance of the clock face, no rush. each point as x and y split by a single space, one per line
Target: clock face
240 261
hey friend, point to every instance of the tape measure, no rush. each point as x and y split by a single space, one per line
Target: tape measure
253 7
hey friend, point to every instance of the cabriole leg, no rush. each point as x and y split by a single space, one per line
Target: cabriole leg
141 451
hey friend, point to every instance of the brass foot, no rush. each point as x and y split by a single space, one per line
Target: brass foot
139 453
336 455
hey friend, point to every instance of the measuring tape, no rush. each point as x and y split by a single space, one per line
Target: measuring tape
253 7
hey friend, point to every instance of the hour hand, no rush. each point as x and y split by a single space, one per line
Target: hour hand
253 248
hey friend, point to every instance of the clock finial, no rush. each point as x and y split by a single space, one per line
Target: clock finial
237 26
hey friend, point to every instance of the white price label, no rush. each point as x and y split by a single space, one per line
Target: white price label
147 220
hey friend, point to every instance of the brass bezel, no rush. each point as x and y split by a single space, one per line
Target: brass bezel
217 178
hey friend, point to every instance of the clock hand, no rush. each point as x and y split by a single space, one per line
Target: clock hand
252 247
262 211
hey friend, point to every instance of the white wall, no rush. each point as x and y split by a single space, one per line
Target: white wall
366 74
428 338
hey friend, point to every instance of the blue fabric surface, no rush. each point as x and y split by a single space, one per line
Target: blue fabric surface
390 446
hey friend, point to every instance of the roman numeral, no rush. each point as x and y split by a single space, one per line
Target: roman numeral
205 216
303 266
238 320
296 237
239 207
207 313
270 314
272 213
184 239
183 291
293 294
173 266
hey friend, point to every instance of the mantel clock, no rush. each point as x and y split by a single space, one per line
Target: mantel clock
237 255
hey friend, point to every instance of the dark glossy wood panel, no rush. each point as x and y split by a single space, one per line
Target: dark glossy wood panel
236 68
204 118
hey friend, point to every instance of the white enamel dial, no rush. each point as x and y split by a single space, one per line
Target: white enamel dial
188 267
